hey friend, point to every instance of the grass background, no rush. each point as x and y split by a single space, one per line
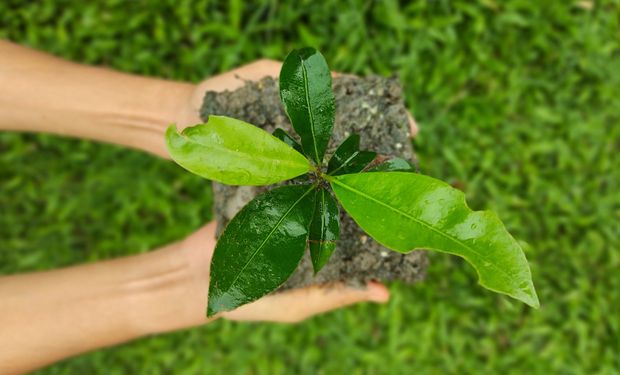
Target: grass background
518 102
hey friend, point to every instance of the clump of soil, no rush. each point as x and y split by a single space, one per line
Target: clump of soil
373 108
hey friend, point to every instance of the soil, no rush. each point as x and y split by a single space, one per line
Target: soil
372 107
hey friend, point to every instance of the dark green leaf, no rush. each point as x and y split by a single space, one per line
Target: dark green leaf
324 229
261 247
306 92
345 151
392 164
234 152
356 164
406 211
304 178
348 158
284 137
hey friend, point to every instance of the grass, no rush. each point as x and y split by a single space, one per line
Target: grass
519 104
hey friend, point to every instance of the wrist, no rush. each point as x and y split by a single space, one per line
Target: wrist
42 93
168 293
150 107
96 305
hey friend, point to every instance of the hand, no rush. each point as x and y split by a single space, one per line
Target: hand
231 80
48 316
286 307
292 305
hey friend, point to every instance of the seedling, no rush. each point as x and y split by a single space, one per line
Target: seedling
403 210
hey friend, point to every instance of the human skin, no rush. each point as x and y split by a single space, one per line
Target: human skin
51 315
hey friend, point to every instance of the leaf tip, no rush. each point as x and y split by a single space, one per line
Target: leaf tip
530 297
210 311
214 304
317 265
172 128
525 293
171 135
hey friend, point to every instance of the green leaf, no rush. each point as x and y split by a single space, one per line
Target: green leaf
345 151
286 138
392 164
306 92
348 158
260 247
406 211
234 152
324 229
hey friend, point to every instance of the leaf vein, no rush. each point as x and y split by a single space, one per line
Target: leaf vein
310 113
267 239
453 239
322 224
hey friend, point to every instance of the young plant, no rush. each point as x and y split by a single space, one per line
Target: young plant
403 210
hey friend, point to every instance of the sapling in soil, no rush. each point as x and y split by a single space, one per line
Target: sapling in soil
401 209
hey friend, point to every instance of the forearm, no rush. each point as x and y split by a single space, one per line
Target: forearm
42 93
48 316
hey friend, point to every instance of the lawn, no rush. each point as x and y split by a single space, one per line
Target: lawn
518 103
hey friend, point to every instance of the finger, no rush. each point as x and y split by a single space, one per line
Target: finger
201 243
257 70
413 126
236 78
298 304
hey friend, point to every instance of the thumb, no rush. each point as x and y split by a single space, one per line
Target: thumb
413 125
298 304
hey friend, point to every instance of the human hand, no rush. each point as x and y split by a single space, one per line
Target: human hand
231 80
287 307
292 305
52 315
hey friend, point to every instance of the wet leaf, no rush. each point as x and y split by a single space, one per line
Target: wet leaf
234 152
286 138
324 229
406 211
357 163
392 164
348 158
345 151
260 247
306 92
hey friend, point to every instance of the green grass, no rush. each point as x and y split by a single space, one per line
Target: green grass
518 101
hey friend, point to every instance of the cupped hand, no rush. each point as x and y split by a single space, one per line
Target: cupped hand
289 306
231 80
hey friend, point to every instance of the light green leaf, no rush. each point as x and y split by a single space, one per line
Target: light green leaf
406 211
234 152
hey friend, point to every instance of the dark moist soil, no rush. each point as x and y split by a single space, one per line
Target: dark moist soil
373 108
